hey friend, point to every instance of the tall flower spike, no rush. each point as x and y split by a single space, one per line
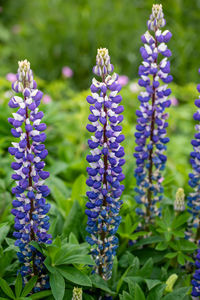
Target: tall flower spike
151 122
29 206
194 177
105 171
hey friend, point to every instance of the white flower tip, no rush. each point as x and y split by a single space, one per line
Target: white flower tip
24 65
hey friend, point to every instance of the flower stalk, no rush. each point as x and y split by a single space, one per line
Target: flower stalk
151 117
29 206
105 171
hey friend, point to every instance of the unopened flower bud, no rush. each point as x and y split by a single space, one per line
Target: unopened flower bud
179 203
77 293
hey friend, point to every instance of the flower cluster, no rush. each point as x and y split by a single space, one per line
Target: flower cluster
106 161
194 177
151 117
196 277
29 206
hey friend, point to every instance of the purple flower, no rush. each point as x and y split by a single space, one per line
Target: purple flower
11 77
29 206
123 80
67 72
106 161
151 125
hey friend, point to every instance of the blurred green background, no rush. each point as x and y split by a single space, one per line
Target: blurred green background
54 33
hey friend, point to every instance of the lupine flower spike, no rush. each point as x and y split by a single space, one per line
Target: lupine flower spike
105 171
30 207
151 122
194 177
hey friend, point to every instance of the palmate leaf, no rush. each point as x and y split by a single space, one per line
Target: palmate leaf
71 254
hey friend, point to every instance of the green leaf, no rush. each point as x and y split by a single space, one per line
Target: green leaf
151 283
156 292
180 220
146 270
57 284
75 259
41 295
74 275
181 259
79 188
4 229
29 286
6 289
147 241
73 239
74 219
139 295
18 285
186 245
161 246
134 265
126 296
171 255
177 294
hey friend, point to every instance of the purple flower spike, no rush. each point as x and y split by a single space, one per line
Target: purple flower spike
151 118
106 161
30 207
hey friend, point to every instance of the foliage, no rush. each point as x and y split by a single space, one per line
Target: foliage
144 262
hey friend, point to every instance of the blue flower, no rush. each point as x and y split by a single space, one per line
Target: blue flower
106 161
29 206
151 125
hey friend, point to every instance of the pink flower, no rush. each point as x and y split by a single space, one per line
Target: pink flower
134 87
67 72
161 179
174 101
47 99
123 80
11 77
